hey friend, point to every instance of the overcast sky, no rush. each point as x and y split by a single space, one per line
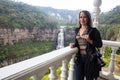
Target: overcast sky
107 5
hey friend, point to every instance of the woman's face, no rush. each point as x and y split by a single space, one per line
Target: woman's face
83 19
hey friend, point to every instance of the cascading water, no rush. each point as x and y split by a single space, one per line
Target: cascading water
60 40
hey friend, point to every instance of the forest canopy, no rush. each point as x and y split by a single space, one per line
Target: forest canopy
20 15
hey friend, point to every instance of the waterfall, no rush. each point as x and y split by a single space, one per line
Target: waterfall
60 40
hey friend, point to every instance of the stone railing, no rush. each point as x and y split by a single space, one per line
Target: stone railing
114 46
36 67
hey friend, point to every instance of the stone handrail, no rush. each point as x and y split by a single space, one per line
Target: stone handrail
36 67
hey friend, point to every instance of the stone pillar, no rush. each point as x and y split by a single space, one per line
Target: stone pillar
52 74
97 4
112 64
71 69
64 69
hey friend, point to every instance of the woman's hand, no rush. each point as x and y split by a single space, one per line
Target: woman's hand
72 45
87 38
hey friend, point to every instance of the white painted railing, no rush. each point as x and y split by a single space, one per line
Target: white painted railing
114 46
36 67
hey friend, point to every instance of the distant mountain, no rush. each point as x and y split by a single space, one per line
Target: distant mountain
71 16
110 24
62 15
20 15
111 17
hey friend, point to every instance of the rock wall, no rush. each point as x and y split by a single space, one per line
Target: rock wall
11 36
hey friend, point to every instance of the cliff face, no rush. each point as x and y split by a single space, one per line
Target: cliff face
9 36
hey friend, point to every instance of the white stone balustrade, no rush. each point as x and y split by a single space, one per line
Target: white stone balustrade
36 67
110 74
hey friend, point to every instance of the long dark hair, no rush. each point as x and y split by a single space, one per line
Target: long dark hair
89 21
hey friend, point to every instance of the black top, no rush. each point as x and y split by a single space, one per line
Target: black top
91 65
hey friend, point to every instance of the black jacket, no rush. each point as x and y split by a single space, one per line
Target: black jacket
91 65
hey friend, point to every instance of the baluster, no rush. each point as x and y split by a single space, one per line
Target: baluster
39 75
102 51
71 69
64 70
36 77
112 63
52 75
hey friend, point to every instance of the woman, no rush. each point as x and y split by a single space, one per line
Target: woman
87 39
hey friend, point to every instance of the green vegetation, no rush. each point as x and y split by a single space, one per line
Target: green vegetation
20 15
111 17
109 32
107 55
110 24
31 48
63 16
